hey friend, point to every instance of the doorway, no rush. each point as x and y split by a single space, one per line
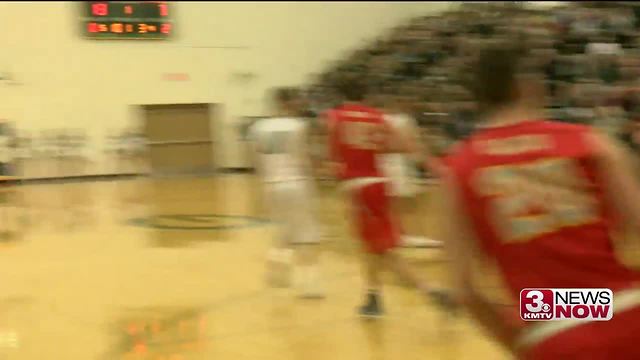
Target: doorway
179 138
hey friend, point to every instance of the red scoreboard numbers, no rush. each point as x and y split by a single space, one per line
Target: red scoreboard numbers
100 9
127 19
118 28
164 10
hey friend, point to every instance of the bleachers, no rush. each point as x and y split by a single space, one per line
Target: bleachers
588 52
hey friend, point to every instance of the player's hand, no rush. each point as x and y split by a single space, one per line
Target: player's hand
514 347
511 343
331 169
435 167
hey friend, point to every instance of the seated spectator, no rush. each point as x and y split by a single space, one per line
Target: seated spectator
582 111
630 133
564 69
587 51
610 119
587 24
604 48
622 20
608 70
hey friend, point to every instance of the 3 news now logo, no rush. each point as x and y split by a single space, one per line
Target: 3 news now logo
563 304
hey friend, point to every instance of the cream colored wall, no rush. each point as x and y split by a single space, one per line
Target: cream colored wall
64 81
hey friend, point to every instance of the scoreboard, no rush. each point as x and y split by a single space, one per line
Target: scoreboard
126 19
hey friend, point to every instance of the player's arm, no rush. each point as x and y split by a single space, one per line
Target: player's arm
421 153
621 188
412 133
461 248
334 161
309 158
434 165
254 141
397 141
253 137
431 162
318 149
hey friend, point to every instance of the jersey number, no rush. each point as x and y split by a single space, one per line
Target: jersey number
363 135
537 301
275 143
530 200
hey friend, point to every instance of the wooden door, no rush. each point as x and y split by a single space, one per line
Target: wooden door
179 138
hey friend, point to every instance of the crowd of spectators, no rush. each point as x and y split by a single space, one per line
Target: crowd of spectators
588 53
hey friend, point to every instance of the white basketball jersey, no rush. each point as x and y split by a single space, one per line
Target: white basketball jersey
396 165
281 144
6 152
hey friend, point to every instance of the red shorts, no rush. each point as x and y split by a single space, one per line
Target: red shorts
616 339
373 218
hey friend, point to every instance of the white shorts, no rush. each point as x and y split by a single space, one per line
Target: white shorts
291 206
402 177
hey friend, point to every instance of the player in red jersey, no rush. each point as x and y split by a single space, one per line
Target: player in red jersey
541 199
358 135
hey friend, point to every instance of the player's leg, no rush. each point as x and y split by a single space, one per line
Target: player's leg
407 200
372 306
397 189
388 239
401 192
306 238
280 254
9 220
406 204
401 268
308 274
5 203
366 224
4 213
388 236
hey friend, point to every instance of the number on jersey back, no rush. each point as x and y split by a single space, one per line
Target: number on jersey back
533 199
365 135
276 142
281 145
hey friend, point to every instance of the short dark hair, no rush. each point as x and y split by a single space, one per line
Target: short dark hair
495 76
352 87
285 94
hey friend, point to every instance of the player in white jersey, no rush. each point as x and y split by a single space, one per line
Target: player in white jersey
284 164
8 226
403 175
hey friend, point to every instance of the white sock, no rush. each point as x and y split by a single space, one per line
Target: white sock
286 256
311 284
273 256
313 273
302 275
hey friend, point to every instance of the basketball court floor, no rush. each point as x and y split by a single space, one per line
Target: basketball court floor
172 269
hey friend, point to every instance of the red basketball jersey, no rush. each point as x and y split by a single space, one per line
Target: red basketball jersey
537 205
356 133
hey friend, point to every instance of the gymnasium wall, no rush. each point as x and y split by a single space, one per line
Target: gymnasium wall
60 80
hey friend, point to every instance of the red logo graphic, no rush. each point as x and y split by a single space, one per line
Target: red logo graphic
536 304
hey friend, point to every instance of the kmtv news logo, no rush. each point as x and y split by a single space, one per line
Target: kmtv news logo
562 304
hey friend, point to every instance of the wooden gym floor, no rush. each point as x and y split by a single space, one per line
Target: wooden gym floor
173 270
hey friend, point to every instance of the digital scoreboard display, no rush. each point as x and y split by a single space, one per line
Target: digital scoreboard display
126 19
